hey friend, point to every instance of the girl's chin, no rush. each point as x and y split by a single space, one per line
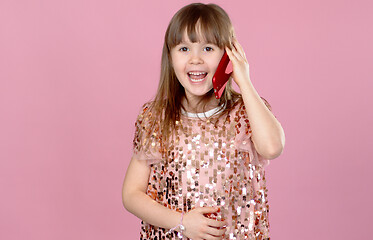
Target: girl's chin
197 94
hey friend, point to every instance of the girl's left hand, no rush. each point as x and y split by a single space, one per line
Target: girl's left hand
241 73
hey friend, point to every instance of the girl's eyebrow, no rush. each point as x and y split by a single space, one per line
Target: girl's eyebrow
188 42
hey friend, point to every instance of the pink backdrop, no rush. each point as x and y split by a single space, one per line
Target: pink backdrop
74 74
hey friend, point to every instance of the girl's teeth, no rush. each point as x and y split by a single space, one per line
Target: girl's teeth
197 80
197 76
196 73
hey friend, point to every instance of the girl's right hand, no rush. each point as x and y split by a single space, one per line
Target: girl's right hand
199 227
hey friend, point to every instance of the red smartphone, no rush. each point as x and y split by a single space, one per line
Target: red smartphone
221 76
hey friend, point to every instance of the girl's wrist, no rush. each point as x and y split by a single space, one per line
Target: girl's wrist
179 228
246 83
247 88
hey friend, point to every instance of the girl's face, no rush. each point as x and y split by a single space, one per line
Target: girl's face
194 65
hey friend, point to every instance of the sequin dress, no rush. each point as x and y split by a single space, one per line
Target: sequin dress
208 163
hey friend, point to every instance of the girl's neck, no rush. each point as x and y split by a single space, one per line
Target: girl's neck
192 104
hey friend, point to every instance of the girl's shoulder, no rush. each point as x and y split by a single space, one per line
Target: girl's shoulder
234 106
146 106
146 111
147 141
238 104
146 119
236 110
154 106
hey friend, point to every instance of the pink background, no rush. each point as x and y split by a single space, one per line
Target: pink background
74 74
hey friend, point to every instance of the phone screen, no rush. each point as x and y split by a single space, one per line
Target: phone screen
221 76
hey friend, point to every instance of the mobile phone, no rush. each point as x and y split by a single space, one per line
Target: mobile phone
221 76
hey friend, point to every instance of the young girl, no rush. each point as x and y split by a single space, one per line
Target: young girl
197 170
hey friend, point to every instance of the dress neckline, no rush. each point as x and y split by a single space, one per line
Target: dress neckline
206 114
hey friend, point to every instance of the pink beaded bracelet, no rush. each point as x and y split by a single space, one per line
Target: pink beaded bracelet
181 226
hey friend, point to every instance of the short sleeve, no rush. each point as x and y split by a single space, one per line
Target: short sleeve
243 139
147 139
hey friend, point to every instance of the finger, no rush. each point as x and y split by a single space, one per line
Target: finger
235 54
216 223
230 54
216 232
210 237
238 54
207 209
239 47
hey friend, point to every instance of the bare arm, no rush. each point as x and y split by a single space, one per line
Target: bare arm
136 201
267 133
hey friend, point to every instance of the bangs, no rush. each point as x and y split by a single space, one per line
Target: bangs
200 24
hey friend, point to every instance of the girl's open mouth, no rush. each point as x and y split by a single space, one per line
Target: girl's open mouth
197 76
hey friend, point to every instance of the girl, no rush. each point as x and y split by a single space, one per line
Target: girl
197 170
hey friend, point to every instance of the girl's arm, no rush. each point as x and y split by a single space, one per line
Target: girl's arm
136 201
267 133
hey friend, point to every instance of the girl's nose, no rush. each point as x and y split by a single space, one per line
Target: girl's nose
195 58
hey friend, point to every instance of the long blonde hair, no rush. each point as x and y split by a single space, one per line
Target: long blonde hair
215 24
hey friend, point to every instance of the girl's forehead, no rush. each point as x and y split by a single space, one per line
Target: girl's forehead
198 36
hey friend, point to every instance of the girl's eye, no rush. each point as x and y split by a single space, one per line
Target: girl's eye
183 49
208 49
